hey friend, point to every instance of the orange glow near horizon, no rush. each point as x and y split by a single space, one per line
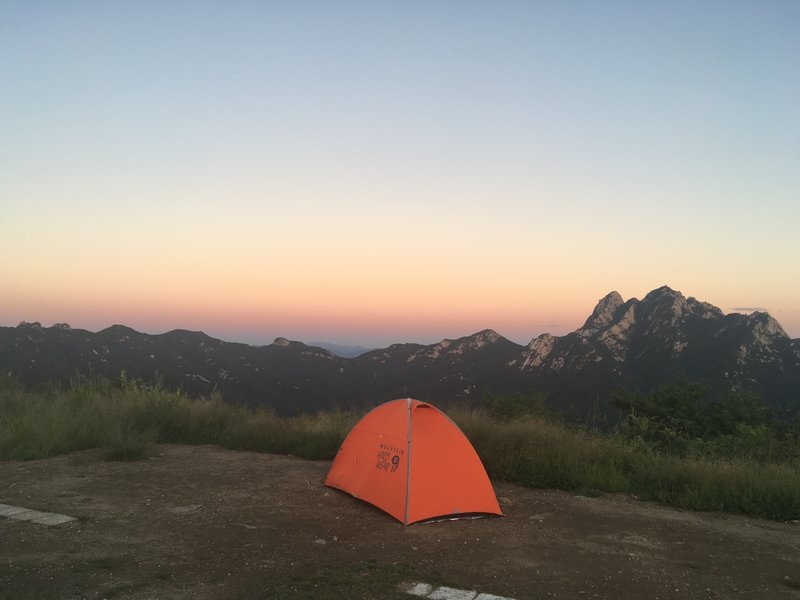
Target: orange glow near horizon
407 313
379 318
297 287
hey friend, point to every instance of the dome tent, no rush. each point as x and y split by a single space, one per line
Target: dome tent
410 460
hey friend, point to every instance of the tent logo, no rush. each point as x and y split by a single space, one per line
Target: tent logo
385 464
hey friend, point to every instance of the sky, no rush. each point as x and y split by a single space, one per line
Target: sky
377 172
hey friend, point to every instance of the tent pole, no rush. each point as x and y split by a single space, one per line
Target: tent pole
408 464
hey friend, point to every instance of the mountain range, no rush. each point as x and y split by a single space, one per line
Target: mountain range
639 344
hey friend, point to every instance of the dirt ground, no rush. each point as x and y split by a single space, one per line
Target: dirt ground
204 522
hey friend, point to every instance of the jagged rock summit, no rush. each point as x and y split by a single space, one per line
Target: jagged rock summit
647 342
604 313
663 321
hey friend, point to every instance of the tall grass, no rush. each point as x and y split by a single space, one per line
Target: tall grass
541 454
125 418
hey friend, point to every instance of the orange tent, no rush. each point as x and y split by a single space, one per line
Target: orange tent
409 459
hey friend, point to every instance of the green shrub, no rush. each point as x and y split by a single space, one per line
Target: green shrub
518 405
683 419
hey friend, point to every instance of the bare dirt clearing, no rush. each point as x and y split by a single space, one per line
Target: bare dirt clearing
204 522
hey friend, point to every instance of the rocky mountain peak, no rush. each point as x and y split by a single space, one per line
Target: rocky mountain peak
537 351
457 348
476 341
603 314
662 292
704 309
765 328
664 296
487 336
664 308
281 341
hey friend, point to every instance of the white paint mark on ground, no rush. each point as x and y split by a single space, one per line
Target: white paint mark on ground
447 593
7 510
19 513
426 590
419 589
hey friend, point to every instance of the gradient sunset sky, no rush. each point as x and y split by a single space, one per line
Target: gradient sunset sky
377 172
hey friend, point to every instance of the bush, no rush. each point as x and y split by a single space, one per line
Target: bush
518 405
682 419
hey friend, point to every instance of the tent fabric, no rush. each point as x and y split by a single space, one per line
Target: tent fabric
409 459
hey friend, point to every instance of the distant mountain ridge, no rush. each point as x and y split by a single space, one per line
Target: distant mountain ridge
343 350
635 343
